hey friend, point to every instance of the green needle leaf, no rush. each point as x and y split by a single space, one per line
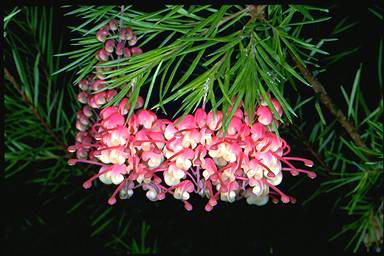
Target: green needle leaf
36 79
152 84
356 83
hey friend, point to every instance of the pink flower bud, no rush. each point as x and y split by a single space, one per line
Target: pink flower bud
133 124
97 85
80 136
109 45
84 120
92 102
136 51
258 131
106 27
119 48
113 121
124 106
123 34
79 114
187 123
139 102
214 120
100 71
146 118
277 106
133 40
107 112
100 98
111 94
113 25
80 126
127 52
201 118
102 55
235 126
170 131
129 33
265 115
83 85
82 97
101 35
82 153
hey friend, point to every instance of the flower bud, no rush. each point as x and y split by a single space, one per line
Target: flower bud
102 55
109 45
98 85
82 97
139 102
99 71
92 102
100 98
124 106
106 27
113 25
107 112
83 85
80 126
119 48
127 52
132 41
123 34
101 35
265 115
111 94
136 51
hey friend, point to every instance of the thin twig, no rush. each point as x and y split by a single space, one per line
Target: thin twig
11 79
327 101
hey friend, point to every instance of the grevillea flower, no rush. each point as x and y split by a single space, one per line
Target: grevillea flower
163 157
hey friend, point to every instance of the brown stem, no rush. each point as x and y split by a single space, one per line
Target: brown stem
327 101
11 79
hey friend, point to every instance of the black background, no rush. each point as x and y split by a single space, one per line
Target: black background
236 229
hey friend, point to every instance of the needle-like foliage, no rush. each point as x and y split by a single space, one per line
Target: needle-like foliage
233 56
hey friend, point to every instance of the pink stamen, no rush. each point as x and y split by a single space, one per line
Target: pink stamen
187 206
270 173
287 147
73 148
112 199
295 172
88 183
306 162
138 142
284 198
74 161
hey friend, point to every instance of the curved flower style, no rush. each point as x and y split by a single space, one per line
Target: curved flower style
178 158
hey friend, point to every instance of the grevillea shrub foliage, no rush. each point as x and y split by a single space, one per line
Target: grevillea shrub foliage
134 149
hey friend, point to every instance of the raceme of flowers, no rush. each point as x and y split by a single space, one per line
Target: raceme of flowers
178 158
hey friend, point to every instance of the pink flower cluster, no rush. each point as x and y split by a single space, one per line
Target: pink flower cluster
194 155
